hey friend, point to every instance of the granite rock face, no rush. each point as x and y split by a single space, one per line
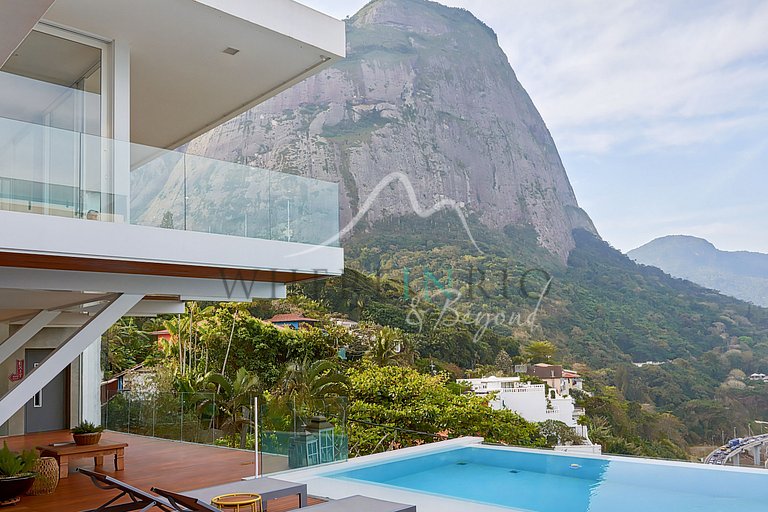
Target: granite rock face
425 91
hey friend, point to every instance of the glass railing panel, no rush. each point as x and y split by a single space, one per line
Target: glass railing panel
296 435
44 103
51 171
291 435
176 416
180 191
57 172
303 210
158 191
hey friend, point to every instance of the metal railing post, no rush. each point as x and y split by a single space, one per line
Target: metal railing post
181 418
256 435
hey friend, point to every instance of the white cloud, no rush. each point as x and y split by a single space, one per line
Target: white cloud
654 64
587 64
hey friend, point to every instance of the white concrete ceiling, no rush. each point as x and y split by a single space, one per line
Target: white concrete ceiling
182 82
52 59
17 18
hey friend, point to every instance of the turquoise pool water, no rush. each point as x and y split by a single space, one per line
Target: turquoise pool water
540 482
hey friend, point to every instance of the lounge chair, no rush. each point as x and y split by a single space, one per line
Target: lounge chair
140 500
268 488
185 503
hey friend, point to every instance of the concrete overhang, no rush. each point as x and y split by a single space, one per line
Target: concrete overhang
18 19
65 244
183 83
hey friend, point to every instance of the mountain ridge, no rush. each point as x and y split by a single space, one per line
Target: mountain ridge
741 274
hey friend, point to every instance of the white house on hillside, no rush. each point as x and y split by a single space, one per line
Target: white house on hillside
103 217
528 400
532 403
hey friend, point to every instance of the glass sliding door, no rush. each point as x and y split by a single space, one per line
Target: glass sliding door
54 159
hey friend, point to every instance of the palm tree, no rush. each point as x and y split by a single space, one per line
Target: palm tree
388 347
232 401
599 429
307 383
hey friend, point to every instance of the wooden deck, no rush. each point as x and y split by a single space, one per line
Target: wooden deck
148 462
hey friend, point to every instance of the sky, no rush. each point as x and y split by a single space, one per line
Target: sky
659 109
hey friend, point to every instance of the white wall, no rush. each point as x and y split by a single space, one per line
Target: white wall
530 402
564 408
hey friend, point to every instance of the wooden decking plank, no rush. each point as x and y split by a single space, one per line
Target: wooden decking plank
148 463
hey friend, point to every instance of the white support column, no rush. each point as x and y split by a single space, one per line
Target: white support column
756 454
90 383
69 350
25 333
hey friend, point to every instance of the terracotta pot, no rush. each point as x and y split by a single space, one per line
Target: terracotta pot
15 486
87 439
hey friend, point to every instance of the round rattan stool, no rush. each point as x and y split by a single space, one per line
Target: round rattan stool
238 501
47 470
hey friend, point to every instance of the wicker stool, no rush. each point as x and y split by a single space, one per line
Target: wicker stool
47 470
238 501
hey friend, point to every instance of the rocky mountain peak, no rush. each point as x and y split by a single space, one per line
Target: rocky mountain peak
425 91
419 16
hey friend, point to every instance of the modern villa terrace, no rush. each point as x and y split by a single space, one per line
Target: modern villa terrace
149 462
106 215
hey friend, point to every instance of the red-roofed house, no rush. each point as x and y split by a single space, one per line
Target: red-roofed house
164 335
571 380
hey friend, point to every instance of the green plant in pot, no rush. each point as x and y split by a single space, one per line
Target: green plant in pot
16 475
87 433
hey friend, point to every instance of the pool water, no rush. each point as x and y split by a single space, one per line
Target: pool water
541 482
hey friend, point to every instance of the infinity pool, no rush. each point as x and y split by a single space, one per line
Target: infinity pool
542 482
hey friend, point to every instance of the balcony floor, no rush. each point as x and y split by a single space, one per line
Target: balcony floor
148 462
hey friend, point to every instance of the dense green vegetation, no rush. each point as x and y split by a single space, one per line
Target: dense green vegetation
391 406
221 356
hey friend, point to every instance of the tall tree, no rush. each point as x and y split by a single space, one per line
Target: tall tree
540 352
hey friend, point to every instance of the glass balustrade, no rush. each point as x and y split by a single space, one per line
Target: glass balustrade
50 170
291 434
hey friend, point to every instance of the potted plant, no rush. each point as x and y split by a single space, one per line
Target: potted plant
87 433
16 475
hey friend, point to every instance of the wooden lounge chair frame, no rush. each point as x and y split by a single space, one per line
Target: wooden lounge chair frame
140 500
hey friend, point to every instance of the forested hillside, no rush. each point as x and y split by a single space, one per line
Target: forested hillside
602 311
